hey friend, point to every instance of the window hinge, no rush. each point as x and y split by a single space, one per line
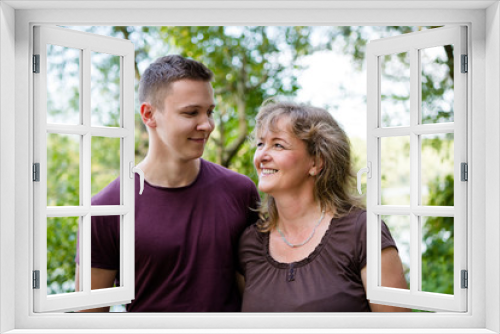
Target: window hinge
465 279
465 64
36 279
36 172
464 171
36 63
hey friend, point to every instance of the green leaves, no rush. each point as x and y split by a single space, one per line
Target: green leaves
250 64
438 237
61 252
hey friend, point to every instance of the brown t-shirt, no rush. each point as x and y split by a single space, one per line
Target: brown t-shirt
328 280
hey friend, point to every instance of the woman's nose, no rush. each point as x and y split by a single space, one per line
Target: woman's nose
263 154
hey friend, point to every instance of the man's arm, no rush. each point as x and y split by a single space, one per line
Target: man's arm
240 281
392 276
100 279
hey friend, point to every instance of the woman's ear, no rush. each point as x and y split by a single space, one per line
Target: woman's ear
318 164
321 163
147 115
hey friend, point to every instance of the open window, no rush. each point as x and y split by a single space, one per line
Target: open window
76 120
398 131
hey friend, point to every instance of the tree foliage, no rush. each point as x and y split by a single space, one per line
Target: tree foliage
250 64
438 238
437 78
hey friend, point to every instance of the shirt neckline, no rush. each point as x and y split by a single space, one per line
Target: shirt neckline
202 162
300 263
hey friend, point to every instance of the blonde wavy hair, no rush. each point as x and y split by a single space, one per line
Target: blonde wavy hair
325 140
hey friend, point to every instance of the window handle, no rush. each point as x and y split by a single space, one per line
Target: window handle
368 172
141 175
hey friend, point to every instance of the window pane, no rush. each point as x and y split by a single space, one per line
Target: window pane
105 89
395 90
395 170
62 233
437 84
105 162
399 227
437 159
63 85
437 254
63 169
105 246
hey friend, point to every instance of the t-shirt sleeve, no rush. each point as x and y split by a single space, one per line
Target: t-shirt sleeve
386 239
104 234
105 242
248 248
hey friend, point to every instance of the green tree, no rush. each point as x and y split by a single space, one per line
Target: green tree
438 237
250 64
437 80
63 152
248 67
62 189
355 40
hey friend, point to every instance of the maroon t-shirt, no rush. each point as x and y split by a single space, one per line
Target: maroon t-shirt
186 241
328 280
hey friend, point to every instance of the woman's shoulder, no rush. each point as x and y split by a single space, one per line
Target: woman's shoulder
355 227
355 219
348 229
356 214
252 234
251 247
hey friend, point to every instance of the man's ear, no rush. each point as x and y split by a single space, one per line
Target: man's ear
147 115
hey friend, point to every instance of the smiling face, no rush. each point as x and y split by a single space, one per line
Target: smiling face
282 161
185 123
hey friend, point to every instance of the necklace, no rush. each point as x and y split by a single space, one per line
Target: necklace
307 240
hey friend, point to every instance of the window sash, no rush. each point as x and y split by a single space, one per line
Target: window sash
86 43
414 298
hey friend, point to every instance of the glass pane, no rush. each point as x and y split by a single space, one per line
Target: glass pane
63 169
437 84
105 247
395 170
105 89
62 233
399 228
63 85
105 162
395 90
437 254
437 159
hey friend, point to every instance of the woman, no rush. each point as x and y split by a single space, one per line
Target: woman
307 253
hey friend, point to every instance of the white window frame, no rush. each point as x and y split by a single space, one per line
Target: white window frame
86 43
412 43
16 21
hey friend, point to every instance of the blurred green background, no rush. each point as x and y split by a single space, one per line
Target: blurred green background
251 64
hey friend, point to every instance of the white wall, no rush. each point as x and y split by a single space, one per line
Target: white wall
7 59
492 163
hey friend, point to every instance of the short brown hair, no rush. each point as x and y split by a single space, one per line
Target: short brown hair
324 139
155 81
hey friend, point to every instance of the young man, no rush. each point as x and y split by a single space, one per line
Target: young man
190 216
